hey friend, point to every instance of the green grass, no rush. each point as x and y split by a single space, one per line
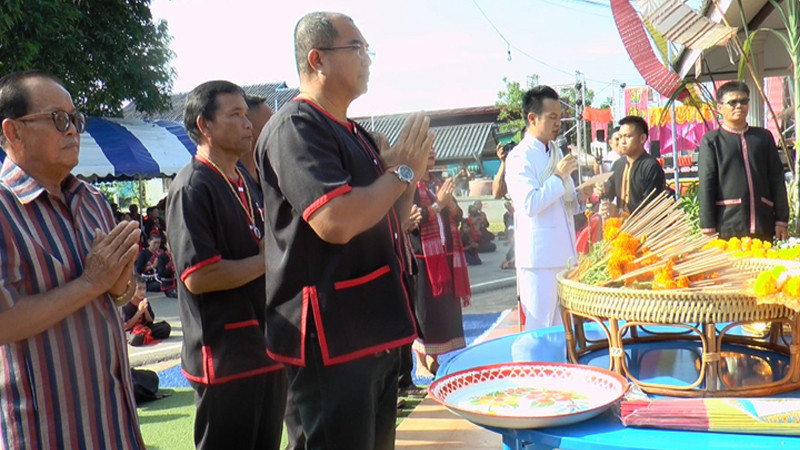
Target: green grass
168 424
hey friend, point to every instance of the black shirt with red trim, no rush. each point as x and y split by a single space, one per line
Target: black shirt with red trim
351 296
223 331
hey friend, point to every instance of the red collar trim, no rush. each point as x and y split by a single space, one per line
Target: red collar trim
203 160
349 125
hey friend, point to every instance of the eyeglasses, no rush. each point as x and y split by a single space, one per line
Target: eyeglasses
61 119
737 101
360 49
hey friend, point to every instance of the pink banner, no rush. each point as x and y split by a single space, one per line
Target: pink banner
692 124
689 135
636 101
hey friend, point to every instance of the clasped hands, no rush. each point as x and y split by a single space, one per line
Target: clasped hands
109 264
411 148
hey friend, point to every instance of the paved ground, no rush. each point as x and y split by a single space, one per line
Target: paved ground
493 290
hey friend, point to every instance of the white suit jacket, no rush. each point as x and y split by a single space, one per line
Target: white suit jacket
544 231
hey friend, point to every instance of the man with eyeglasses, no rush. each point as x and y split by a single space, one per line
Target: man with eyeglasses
64 268
742 190
338 309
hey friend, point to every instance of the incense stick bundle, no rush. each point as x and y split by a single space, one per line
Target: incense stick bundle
665 234
727 415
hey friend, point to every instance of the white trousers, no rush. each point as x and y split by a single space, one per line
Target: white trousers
538 294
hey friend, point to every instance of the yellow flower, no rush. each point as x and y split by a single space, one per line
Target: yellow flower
765 285
716 243
792 287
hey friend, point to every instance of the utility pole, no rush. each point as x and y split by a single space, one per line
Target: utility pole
674 137
579 98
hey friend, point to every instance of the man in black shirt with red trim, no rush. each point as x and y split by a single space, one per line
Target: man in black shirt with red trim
337 306
213 214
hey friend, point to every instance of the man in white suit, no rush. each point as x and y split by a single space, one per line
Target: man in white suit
545 201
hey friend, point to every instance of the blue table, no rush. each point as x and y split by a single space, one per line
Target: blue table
606 431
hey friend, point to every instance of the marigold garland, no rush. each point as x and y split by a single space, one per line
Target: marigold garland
655 249
752 248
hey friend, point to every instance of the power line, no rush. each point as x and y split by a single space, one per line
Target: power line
524 53
491 23
591 2
570 7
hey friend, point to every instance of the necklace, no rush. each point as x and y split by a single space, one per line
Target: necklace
251 220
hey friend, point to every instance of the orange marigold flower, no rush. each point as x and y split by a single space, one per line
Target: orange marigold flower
611 228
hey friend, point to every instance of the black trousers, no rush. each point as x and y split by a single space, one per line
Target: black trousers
406 366
241 414
351 405
296 439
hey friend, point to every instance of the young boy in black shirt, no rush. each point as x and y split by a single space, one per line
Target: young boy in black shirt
138 317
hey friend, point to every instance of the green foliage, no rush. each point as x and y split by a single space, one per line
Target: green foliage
598 265
105 51
510 103
606 103
789 14
689 204
123 193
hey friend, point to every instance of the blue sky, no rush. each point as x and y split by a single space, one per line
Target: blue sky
431 54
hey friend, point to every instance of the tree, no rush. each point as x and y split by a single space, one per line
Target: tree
106 52
510 103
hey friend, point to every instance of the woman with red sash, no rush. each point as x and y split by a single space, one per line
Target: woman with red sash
442 283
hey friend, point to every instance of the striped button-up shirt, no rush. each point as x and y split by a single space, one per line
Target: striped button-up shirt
69 386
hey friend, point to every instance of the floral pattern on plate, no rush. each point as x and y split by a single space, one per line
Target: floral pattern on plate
541 401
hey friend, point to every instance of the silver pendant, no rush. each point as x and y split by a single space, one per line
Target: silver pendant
256 232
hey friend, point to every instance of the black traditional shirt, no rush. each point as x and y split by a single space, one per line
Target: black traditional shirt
351 296
742 191
223 331
632 183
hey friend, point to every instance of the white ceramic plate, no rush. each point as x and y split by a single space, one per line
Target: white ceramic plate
529 395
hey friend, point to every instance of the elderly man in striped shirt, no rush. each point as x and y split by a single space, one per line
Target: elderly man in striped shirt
64 375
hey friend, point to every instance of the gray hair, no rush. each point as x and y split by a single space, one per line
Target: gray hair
314 30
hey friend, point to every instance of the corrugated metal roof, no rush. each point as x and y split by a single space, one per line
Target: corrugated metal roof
276 94
459 142
452 142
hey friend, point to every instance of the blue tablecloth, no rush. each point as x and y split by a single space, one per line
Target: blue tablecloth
606 431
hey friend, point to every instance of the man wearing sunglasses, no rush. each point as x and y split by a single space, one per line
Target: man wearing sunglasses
64 268
742 190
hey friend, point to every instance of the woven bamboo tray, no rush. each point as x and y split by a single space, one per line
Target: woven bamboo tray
665 307
623 312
